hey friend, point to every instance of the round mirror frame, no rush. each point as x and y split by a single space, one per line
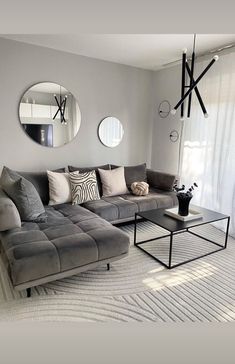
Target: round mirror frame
164 109
112 144
59 116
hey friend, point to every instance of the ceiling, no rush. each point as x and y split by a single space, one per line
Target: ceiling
147 51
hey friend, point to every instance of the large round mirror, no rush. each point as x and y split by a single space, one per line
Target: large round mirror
49 114
110 131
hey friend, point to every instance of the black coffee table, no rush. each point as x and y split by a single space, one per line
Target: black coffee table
175 226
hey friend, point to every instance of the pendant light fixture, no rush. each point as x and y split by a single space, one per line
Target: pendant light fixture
192 83
61 103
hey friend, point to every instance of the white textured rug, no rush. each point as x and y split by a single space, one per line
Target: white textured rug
137 288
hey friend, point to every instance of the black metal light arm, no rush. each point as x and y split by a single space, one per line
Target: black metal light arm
60 105
215 58
183 81
191 84
197 93
64 101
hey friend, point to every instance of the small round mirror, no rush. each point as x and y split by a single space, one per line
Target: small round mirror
49 114
164 109
110 131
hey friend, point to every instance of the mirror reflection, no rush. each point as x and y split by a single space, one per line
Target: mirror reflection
49 114
110 131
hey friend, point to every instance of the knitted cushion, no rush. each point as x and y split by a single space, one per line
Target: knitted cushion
140 188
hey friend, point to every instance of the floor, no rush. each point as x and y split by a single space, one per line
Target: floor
137 288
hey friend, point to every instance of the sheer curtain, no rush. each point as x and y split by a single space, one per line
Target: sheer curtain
208 145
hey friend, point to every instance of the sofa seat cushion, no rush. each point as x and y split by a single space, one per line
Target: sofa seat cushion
113 208
70 238
154 200
125 206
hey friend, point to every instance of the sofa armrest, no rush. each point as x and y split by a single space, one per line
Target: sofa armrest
9 215
160 180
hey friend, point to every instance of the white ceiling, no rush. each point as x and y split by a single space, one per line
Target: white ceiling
148 51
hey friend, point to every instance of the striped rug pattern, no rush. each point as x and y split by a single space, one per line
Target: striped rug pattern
137 288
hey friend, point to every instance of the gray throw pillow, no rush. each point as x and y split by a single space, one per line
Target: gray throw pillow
24 195
40 182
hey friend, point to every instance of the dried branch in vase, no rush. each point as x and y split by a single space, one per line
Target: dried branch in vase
183 192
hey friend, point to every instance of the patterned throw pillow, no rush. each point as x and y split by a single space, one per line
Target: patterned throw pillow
83 187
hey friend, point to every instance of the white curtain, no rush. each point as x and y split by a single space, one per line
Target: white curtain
208 144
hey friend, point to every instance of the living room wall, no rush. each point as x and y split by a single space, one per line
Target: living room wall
167 86
101 88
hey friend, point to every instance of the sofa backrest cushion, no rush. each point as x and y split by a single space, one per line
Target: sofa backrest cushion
89 169
9 215
40 182
161 180
134 173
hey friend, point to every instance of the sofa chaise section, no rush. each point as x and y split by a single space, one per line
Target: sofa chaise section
72 240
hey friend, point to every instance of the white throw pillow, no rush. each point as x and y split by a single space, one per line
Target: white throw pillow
113 182
59 188
83 187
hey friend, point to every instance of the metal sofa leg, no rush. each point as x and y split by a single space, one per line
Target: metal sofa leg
28 290
108 266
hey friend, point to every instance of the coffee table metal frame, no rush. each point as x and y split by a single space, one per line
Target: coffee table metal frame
171 235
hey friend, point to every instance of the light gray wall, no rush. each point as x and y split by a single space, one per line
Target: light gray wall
167 86
101 88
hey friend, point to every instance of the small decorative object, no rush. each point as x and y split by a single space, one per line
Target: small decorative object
192 83
140 188
184 198
174 136
164 109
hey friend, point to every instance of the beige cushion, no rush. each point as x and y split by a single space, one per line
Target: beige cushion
9 215
113 182
140 188
59 188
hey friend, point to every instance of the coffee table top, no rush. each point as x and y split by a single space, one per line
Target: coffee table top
169 223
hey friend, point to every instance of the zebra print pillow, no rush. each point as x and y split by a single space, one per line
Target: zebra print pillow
83 187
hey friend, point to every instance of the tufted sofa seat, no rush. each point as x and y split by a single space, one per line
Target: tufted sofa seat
123 208
72 240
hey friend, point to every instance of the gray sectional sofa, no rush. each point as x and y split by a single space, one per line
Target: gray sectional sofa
75 238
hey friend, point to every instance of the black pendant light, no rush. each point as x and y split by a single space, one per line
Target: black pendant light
61 103
192 83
